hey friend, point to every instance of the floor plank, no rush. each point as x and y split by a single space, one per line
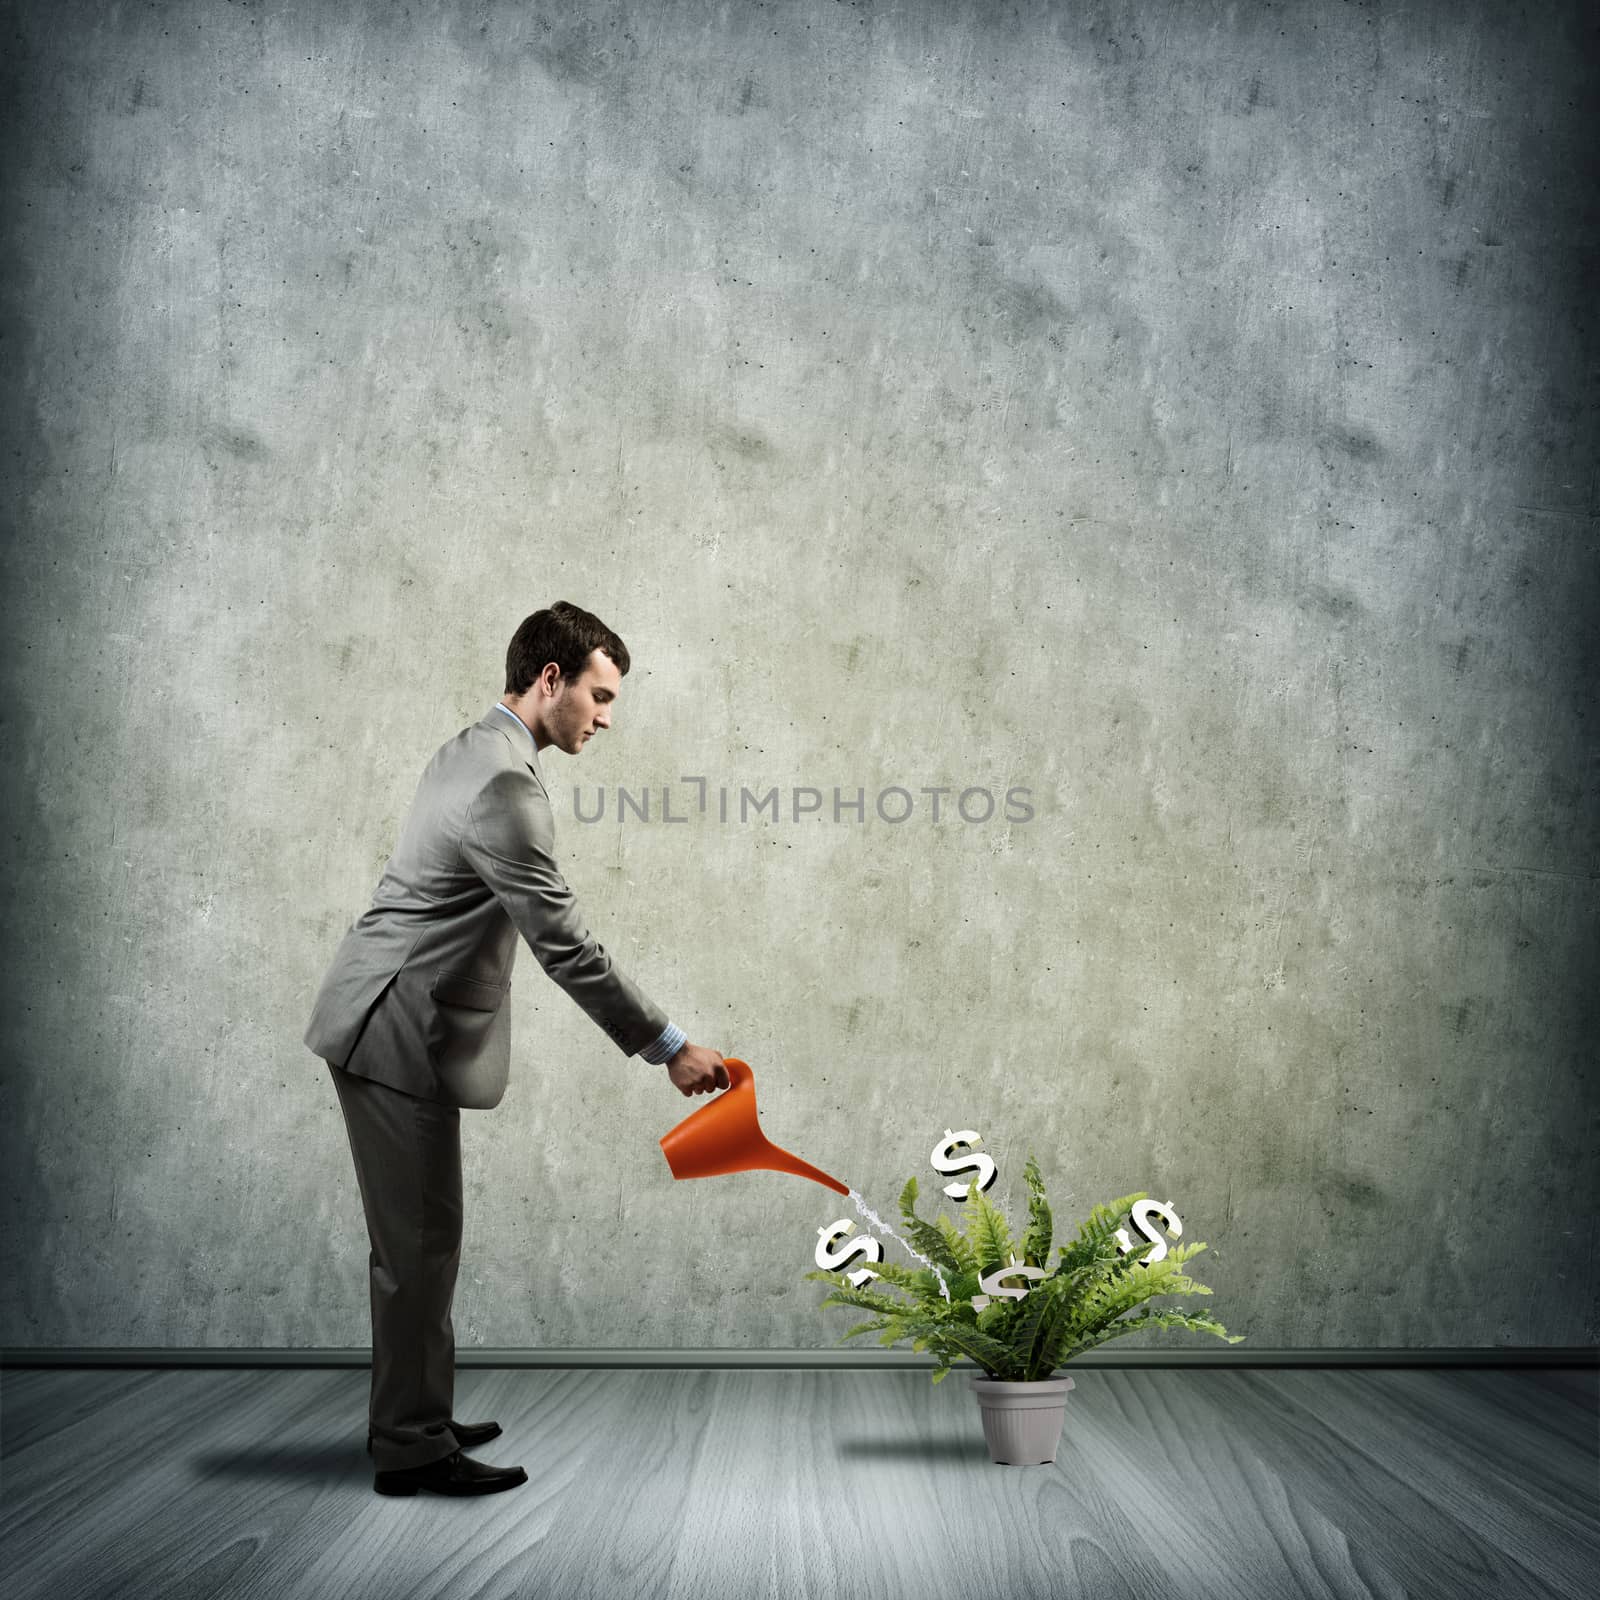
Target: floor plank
1182 1484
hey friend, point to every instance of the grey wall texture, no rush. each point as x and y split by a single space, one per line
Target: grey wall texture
1181 411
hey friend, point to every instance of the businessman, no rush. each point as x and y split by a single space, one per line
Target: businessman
414 1021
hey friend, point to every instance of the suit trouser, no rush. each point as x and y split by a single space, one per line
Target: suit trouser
408 1163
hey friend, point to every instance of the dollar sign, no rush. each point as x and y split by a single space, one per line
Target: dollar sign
945 1159
1141 1215
991 1285
833 1259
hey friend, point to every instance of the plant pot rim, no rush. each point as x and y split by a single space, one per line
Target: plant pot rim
1060 1381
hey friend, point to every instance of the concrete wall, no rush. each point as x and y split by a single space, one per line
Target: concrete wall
1181 410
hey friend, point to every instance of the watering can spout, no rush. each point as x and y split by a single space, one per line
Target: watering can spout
724 1136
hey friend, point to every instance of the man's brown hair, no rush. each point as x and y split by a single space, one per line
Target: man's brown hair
565 634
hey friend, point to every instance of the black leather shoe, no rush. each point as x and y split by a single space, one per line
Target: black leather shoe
456 1473
468 1434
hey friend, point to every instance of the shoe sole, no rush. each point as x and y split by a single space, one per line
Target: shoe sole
458 1492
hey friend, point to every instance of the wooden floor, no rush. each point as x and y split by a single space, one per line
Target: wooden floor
1170 1483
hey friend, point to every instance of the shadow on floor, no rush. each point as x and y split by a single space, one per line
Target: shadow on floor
286 1461
351 1460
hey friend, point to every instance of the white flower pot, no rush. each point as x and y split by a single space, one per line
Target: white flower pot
1022 1421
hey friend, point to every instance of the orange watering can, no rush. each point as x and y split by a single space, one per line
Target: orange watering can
724 1136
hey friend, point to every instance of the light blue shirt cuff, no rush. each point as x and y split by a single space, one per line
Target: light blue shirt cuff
672 1040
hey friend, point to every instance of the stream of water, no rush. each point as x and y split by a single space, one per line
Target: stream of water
883 1227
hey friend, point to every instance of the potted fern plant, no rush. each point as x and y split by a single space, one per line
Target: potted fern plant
1081 1302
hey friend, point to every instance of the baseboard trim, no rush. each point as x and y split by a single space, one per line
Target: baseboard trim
1568 1356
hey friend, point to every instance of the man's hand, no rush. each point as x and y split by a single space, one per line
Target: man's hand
696 1070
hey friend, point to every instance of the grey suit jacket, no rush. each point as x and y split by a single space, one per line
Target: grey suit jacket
417 995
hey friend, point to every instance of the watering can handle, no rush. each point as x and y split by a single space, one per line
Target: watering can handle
724 1136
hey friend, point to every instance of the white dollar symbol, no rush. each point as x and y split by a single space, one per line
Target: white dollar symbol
991 1285
832 1259
945 1159
1141 1215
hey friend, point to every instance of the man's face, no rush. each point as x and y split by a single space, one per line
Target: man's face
582 706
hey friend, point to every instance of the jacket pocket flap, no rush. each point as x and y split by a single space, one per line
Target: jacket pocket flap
455 990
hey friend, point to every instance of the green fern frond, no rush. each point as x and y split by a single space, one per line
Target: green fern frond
924 1236
960 1248
844 1295
894 1273
993 1356
834 1276
1152 1319
988 1231
999 1317
962 1288
1056 1324
1082 1252
909 1328
1103 1221
1032 1311
1065 1331
906 1327
1143 1256
1107 1301
1114 1296
1036 1242
864 1327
